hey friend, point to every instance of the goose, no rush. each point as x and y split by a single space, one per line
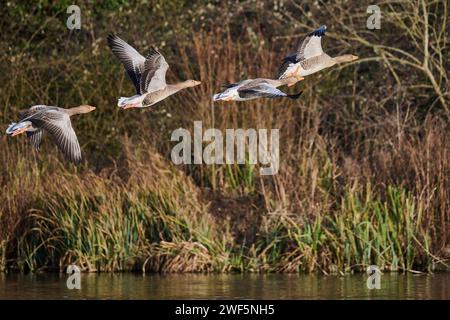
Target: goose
147 74
256 88
54 120
310 57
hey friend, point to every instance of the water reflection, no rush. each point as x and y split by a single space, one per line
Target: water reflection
194 286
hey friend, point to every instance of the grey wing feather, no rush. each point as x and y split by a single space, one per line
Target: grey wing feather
262 90
240 83
311 46
251 83
132 60
32 110
154 74
35 138
58 124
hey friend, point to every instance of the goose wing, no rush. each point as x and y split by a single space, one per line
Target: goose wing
32 110
230 85
154 74
237 84
132 60
58 124
260 90
35 138
311 46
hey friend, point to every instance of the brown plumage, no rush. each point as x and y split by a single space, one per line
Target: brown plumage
256 88
147 74
54 120
310 57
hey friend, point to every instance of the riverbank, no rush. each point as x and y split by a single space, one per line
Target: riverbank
147 215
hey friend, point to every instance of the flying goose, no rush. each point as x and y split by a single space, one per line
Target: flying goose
310 58
56 121
147 74
256 88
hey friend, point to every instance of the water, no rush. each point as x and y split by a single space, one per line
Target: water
193 286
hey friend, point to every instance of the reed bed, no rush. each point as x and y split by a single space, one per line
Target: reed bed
365 158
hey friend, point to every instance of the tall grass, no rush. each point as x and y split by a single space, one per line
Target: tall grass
365 159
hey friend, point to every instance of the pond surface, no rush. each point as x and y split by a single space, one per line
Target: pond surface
194 286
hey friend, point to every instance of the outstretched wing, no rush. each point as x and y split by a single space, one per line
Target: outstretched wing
311 45
132 60
236 84
32 110
58 124
230 85
262 90
154 74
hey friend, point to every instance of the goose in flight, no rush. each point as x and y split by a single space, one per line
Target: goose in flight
54 120
256 88
147 74
310 58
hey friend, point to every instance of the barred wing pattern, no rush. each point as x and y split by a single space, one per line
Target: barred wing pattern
32 110
57 123
35 138
236 84
261 90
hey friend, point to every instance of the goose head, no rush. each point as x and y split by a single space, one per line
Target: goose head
345 58
190 83
85 108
